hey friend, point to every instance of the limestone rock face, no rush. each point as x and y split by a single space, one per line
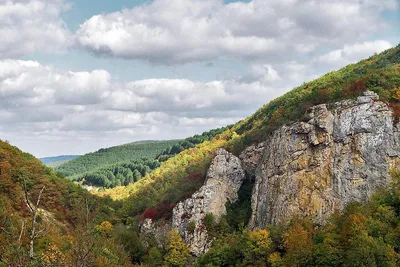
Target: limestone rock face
250 158
343 153
157 230
224 178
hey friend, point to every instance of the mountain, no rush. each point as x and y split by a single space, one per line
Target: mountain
58 160
307 154
185 173
46 220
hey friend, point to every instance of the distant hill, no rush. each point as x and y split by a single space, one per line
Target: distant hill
57 160
113 155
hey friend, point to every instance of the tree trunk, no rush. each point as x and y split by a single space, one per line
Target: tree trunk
34 211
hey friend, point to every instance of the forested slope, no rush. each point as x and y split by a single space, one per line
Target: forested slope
112 155
126 164
66 215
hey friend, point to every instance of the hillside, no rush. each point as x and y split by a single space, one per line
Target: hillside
134 161
64 218
113 155
183 174
365 234
58 160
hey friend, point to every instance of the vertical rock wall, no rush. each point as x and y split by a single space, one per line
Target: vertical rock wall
343 153
224 178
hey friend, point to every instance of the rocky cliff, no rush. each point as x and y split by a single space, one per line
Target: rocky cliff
343 153
224 178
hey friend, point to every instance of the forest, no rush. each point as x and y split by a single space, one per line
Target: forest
119 174
46 220
190 142
113 155
114 169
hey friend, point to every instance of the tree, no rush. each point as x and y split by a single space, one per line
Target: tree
299 245
177 251
105 228
154 258
34 213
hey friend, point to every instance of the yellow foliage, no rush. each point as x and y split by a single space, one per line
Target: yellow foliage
261 240
52 256
275 259
105 228
177 251
396 94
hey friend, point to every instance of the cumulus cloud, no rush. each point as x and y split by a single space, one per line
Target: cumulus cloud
28 26
178 31
39 103
354 52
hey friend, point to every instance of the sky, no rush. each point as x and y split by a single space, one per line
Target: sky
80 75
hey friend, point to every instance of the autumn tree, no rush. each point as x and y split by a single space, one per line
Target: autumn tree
177 251
298 244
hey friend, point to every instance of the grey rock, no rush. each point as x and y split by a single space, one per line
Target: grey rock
343 153
224 178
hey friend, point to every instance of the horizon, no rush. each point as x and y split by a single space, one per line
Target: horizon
78 76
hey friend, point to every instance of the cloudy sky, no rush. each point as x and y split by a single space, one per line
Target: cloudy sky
78 75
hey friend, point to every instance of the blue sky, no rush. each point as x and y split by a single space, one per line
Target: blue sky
76 76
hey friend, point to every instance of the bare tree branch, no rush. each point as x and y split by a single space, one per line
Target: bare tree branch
21 233
26 195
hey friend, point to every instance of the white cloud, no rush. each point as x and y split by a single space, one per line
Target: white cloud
85 110
176 31
38 101
353 53
28 26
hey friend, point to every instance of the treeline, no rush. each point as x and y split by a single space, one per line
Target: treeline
190 142
119 174
113 155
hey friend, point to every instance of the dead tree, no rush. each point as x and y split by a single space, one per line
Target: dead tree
34 213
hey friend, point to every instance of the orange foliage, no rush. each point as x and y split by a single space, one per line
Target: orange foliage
355 89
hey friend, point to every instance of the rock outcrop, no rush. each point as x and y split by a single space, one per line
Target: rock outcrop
343 153
224 178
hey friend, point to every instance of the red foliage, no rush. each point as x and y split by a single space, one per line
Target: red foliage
355 89
150 213
323 95
396 110
161 211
